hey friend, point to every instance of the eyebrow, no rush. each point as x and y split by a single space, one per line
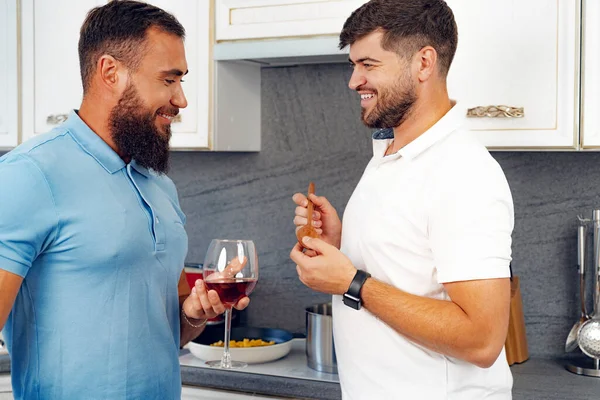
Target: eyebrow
175 71
362 60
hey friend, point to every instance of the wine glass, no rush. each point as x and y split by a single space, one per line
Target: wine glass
231 269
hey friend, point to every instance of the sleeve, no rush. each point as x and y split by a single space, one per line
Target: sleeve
28 217
471 224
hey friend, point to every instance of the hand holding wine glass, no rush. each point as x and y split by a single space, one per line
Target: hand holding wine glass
230 269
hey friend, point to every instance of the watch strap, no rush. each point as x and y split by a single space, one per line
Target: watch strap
352 296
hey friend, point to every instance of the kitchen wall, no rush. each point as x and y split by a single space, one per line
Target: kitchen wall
311 131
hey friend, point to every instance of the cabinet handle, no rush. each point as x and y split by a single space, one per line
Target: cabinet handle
56 119
496 112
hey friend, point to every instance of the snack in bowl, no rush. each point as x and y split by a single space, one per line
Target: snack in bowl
245 343
201 347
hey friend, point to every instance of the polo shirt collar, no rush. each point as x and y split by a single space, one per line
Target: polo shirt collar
451 121
142 170
93 144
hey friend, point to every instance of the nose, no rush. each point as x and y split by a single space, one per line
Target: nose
178 99
357 79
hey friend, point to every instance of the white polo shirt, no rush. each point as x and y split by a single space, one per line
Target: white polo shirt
439 210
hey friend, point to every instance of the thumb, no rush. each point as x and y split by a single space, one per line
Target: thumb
321 202
316 244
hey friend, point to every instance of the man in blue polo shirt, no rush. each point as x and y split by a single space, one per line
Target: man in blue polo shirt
92 239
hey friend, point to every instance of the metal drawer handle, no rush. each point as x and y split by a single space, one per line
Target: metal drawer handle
496 112
56 119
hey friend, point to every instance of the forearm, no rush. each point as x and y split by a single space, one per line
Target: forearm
439 325
190 328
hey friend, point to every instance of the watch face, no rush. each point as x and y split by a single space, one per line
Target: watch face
351 301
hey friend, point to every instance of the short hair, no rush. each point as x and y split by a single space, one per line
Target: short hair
119 29
407 26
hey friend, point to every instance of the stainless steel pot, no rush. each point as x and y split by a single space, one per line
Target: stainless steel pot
320 350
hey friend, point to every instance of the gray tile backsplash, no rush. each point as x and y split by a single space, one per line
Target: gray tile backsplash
311 131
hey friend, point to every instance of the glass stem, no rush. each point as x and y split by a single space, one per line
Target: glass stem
226 359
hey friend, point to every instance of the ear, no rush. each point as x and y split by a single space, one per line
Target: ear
427 63
112 74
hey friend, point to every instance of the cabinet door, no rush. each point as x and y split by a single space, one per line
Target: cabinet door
192 127
518 54
51 77
256 19
590 96
8 74
51 83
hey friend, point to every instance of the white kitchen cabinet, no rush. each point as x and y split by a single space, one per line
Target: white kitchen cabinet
191 129
519 54
52 84
8 74
51 77
590 80
259 19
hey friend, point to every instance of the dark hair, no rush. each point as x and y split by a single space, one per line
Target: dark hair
119 29
407 26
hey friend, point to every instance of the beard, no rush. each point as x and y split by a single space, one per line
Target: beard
393 105
134 131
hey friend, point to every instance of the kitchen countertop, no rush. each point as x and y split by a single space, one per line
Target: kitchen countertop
288 376
534 379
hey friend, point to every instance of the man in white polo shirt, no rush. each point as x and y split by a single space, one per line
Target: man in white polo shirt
420 287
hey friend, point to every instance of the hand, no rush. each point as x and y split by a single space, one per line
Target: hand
203 304
325 219
329 271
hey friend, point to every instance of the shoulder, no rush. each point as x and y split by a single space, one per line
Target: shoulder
464 160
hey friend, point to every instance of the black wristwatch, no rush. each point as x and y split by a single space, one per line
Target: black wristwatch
352 296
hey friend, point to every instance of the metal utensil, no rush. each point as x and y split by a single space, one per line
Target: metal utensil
571 343
588 336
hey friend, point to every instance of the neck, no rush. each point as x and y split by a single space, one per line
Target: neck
424 114
97 117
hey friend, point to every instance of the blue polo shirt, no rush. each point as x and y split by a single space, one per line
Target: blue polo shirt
100 245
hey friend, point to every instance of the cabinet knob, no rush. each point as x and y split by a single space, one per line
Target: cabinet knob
56 119
177 118
496 112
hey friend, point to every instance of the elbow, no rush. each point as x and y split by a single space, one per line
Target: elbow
486 357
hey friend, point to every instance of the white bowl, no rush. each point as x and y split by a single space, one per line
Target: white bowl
250 355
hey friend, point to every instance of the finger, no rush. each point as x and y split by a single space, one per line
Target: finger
299 271
315 244
297 255
192 305
300 221
310 253
243 303
235 266
300 199
320 201
215 302
202 295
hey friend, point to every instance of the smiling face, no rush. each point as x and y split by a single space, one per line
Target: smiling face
384 81
141 120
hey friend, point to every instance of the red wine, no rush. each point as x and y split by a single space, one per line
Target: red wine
231 290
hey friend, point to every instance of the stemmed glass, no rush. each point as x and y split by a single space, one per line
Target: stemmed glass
231 269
